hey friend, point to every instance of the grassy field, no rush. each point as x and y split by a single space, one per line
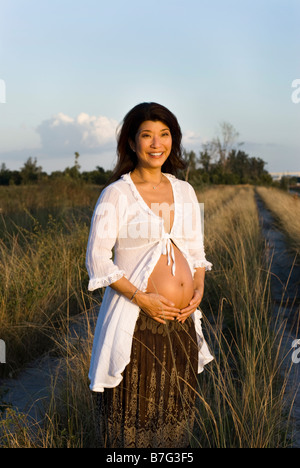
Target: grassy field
286 210
43 283
42 273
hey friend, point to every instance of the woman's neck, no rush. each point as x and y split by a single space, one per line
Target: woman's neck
153 176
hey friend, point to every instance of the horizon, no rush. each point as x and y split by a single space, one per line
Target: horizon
276 176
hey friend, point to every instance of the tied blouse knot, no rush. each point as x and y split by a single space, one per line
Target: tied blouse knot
168 249
127 239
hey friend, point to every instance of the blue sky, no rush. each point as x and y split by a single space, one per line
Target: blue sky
73 69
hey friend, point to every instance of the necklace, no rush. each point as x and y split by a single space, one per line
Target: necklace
153 186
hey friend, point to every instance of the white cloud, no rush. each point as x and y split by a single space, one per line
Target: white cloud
84 133
192 140
54 141
61 118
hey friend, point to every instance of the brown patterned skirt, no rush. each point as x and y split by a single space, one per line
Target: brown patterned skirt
154 405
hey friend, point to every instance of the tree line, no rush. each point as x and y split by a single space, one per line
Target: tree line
220 161
32 173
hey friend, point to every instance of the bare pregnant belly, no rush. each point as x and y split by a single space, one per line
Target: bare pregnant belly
179 288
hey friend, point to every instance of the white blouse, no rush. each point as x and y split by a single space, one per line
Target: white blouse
127 239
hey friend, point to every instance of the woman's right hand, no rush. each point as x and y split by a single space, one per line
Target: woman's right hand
157 306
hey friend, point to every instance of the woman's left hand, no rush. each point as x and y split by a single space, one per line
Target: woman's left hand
193 305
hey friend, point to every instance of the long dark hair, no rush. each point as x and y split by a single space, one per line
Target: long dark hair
127 159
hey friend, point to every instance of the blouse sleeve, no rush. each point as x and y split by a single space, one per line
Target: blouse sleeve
196 243
102 238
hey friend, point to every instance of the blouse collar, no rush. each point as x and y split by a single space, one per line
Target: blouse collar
127 178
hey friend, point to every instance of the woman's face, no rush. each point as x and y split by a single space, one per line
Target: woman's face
153 144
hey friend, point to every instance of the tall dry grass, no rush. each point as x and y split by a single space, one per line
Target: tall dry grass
285 207
42 264
244 395
50 195
214 198
34 270
241 394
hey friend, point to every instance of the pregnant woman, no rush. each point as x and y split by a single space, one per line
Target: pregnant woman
146 248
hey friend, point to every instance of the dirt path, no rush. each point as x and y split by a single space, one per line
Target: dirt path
30 391
285 290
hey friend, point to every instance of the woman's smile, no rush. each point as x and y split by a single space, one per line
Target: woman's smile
156 155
